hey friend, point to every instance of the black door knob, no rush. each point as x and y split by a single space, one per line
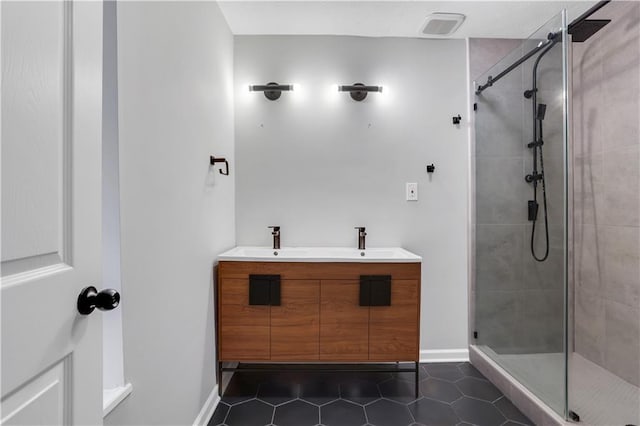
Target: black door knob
90 298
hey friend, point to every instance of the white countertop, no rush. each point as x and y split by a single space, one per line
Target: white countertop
319 254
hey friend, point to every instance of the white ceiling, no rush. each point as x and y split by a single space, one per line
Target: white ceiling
396 18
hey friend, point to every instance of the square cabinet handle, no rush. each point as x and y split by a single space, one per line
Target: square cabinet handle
365 292
375 290
264 290
274 292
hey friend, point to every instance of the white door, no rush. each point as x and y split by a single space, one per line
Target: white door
51 134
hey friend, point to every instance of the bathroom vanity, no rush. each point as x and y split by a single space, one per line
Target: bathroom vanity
318 305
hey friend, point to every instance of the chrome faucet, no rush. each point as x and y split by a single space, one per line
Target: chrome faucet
361 236
276 237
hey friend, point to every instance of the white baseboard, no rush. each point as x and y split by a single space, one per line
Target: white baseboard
444 355
208 408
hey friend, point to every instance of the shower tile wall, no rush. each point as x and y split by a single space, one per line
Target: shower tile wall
518 301
606 116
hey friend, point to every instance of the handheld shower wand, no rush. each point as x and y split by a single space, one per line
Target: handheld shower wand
539 112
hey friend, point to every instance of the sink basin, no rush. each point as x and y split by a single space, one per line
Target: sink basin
263 252
319 254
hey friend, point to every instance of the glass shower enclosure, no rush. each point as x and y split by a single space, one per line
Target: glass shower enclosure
556 223
521 213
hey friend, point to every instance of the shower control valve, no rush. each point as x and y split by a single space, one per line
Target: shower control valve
534 177
537 143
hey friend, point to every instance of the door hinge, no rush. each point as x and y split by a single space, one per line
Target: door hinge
475 334
475 106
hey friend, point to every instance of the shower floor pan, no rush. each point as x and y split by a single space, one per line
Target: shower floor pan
598 396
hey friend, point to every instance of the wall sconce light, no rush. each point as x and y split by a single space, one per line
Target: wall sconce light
359 91
272 91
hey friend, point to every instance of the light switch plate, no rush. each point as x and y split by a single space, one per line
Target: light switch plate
412 191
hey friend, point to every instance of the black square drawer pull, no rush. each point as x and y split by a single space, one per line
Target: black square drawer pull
365 292
264 290
375 290
274 291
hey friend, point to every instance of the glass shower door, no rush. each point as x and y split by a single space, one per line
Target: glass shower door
520 223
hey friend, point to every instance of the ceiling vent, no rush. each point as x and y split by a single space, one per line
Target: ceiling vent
442 24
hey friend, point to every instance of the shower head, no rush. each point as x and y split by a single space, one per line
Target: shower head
542 109
585 29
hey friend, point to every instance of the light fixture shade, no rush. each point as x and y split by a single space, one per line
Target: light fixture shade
272 91
359 91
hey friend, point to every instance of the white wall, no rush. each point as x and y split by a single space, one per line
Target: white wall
318 163
175 87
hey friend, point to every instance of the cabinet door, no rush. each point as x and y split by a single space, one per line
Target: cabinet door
244 329
295 324
344 324
394 330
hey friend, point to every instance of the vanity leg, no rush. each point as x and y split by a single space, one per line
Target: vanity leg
219 378
417 379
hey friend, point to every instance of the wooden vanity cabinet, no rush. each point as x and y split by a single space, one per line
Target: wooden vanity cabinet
318 316
244 330
394 331
295 323
344 324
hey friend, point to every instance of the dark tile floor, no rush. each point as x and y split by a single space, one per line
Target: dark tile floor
450 394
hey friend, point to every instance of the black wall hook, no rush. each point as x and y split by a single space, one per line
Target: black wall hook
213 160
456 120
431 168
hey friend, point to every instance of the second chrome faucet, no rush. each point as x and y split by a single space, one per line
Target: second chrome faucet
361 237
276 237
